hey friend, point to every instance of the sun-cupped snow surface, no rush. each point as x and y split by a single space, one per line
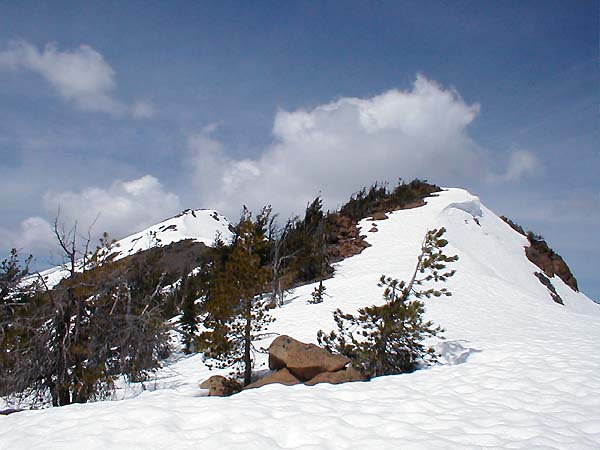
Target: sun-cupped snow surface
518 371
198 225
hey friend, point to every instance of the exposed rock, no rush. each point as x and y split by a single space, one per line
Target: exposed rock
373 229
346 240
304 361
220 386
282 376
379 216
345 375
411 205
546 282
550 262
540 254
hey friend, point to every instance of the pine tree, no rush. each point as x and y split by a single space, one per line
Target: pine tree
388 339
317 294
187 297
237 308
12 271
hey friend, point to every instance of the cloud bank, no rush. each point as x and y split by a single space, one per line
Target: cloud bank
331 150
338 147
80 76
123 208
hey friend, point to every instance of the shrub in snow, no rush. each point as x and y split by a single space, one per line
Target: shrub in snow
388 339
70 342
317 294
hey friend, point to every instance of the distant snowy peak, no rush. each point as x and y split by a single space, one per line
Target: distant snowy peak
198 225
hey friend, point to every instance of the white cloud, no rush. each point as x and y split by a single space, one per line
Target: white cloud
338 147
521 164
122 209
33 235
80 76
125 207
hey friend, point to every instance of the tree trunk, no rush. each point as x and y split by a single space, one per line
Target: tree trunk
248 343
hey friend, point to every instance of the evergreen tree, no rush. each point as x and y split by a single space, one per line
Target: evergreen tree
12 271
14 298
190 295
306 241
317 294
189 314
237 308
388 339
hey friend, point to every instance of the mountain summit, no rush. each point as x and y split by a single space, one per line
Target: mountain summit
517 369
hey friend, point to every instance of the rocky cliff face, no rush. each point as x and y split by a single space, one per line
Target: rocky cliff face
550 262
544 257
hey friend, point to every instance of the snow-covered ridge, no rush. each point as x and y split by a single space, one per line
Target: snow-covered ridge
198 225
518 370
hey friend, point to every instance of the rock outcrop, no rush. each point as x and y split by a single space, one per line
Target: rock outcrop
297 362
346 239
304 361
551 289
550 262
292 362
378 216
540 254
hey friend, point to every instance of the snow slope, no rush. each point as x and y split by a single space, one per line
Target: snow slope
518 370
199 225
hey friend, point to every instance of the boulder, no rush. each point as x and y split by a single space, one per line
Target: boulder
379 216
304 361
282 376
346 375
220 386
373 229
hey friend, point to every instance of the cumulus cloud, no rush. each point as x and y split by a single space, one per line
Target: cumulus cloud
521 164
122 209
337 147
125 207
33 235
80 76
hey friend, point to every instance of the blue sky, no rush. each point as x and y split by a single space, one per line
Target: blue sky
135 110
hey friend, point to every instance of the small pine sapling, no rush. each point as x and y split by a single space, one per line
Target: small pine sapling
317 294
389 339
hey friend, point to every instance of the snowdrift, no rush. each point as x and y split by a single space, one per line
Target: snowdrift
518 370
